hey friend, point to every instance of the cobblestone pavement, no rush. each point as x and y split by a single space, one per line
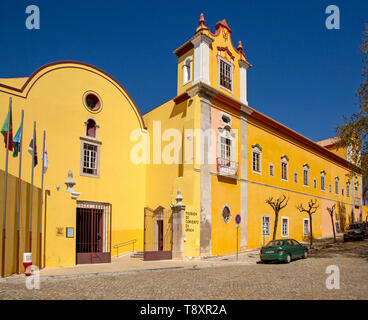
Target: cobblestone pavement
301 279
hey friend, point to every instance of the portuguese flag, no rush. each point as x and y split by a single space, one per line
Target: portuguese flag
8 125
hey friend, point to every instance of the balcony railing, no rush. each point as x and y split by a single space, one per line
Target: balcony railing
227 168
357 202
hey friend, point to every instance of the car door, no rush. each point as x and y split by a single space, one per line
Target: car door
291 248
299 250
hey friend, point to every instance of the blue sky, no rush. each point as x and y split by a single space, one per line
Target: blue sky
304 75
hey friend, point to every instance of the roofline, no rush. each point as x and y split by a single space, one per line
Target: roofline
34 74
256 115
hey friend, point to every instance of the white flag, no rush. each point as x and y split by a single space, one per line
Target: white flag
45 160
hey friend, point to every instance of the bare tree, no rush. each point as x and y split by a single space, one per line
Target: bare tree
277 205
331 212
312 208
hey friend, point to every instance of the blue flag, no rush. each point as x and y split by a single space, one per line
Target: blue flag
16 141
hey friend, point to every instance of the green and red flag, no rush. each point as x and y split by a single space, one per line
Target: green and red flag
8 126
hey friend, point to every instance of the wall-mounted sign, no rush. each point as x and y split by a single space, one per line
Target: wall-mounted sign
70 232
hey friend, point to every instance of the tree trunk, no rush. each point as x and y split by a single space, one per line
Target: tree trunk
333 227
275 225
311 231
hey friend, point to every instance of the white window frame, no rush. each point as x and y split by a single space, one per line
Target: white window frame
306 234
337 185
271 165
282 227
95 143
220 59
188 63
269 226
285 162
348 189
256 148
306 169
323 181
226 133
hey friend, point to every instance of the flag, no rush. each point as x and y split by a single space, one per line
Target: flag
45 159
32 151
4 130
16 141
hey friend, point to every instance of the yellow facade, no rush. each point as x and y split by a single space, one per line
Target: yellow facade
174 154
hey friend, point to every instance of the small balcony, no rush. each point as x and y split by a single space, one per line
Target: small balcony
227 168
357 202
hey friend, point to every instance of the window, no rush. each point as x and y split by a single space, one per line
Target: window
306 227
226 214
323 180
337 185
89 159
266 225
90 150
187 70
256 158
91 128
315 183
342 191
284 168
225 161
285 227
225 148
271 170
92 101
225 75
295 177
306 175
348 189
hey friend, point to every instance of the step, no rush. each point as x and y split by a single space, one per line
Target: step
137 254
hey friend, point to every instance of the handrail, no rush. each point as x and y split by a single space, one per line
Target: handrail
122 244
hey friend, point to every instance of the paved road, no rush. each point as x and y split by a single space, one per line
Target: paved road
301 279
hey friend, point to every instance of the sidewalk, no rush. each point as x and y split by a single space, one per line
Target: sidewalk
123 265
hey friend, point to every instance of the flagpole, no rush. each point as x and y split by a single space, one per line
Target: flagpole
5 189
31 200
19 188
43 167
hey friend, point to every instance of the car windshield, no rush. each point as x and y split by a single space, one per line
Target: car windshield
274 243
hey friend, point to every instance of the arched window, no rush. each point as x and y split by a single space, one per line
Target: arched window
256 158
91 128
306 175
187 70
285 168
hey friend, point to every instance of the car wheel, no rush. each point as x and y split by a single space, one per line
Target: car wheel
305 255
288 258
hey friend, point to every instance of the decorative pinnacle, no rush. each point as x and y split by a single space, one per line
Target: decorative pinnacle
201 20
179 198
240 47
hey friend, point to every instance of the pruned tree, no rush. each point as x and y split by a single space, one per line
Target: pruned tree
311 209
277 205
331 211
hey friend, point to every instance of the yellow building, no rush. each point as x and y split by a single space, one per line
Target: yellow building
114 173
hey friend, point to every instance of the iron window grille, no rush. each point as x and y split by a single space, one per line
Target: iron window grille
225 75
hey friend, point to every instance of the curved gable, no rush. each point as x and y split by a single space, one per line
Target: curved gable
46 69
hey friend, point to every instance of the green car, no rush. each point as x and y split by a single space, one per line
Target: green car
283 250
